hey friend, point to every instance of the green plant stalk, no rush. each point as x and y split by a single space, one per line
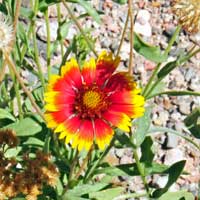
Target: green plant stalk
19 102
46 16
80 28
167 50
13 68
94 166
36 53
59 22
4 91
180 62
141 171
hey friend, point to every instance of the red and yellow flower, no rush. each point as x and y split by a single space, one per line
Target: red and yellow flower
85 105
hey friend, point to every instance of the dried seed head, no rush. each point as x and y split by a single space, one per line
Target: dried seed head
8 136
188 13
6 34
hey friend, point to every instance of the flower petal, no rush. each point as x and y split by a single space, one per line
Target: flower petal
69 128
117 119
53 119
89 71
120 81
103 133
106 65
85 136
71 73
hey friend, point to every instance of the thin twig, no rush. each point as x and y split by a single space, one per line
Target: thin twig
3 71
130 7
18 6
28 93
123 35
80 28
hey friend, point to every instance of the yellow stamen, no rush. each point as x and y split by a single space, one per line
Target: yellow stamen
91 99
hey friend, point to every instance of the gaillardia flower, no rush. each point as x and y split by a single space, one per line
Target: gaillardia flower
6 34
188 13
85 105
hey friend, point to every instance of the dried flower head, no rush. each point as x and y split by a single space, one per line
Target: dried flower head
6 34
8 136
188 13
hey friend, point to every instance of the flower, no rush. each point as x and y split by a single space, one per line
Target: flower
85 105
6 34
188 13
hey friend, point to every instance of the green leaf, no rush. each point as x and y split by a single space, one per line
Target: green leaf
177 196
174 172
157 90
150 52
90 10
147 153
142 125
25 127
175 93
80 190
34 142
109 194
166 69
192 122
120 1
13 152
131 170
26 12
4 114
155 129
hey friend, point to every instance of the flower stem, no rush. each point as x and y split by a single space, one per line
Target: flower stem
94 166
48 42
59 23
130 11
36 52
28 93
123 35
80 28
141 171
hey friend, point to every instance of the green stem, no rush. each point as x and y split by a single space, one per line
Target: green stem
59 22
167 50
95 165
146 89
36 52
48 42
132 195
80 28
141 171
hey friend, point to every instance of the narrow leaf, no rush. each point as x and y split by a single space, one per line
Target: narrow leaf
142 125
109 194
177 196
152 53
174 172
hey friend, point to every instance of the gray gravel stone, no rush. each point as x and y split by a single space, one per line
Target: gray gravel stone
171 141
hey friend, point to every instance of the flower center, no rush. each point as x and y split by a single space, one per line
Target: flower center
91 102
91 99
